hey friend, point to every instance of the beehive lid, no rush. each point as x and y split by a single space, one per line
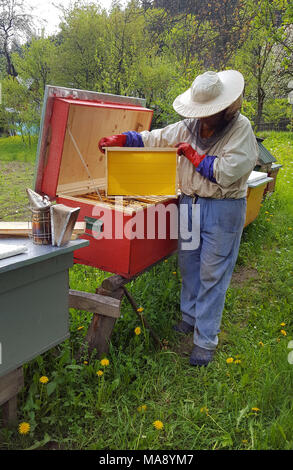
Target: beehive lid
73 121
265 156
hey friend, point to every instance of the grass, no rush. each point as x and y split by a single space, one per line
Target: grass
16 149
244 404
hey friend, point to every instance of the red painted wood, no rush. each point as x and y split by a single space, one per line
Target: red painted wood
103 105
126 257
110 255
53 162
148 251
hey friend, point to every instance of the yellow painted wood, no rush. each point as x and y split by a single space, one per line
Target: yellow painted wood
143 172
254 198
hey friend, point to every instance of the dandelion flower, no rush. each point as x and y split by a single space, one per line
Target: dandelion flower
174 272
255 409
44 379
158 425
85 362
282 324
24 428
204 410
284 332
100 373
80 328
105 362
229 360
142 408
140 309
261 343
238 361
166 261
137 330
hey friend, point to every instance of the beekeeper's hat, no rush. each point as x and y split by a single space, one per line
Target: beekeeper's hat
209 94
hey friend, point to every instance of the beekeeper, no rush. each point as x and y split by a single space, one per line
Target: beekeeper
219 150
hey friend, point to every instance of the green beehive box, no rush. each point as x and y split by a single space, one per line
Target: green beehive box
33 301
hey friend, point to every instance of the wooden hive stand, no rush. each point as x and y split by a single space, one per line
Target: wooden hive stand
105 305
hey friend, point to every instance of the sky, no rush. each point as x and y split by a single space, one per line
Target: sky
48 15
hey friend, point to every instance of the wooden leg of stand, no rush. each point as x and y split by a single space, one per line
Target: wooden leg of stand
99 334
10 385
100 330
9 412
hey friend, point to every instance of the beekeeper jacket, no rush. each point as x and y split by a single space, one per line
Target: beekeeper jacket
235 149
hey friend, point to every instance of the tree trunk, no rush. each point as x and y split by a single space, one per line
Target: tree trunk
260 102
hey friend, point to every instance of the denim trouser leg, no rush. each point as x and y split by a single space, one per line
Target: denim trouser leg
206 271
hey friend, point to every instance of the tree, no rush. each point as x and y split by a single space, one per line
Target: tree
14 23
36 63
262 59
81 30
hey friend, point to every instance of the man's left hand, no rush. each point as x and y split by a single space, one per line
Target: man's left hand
185 149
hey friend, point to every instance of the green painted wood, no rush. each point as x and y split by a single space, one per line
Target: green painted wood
35 253
34 303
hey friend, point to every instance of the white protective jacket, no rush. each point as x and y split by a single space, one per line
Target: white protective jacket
236 153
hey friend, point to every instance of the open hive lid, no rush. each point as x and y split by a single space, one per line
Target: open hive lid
73 121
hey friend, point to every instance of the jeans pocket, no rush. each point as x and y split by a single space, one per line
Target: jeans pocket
223 241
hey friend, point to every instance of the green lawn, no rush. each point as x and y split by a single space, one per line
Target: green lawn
244 404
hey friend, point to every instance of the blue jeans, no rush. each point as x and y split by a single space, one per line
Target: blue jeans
206 270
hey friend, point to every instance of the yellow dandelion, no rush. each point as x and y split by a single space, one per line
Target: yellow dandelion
105 362
266 212
142 408
140 309
289 228
204 410
44 379
166 261
261 343
80 328
282 324
278 340
24 428
283 332
158 425
229 360
137 330
238 361
174 272
85 363
100 373
245 441
268 220
255 409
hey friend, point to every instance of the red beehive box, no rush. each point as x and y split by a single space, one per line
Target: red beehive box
124 237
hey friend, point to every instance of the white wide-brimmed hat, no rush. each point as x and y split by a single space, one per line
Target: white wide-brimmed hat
209 94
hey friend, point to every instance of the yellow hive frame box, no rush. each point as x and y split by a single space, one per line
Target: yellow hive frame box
135 171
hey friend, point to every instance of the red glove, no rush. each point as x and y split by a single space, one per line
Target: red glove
185 149
112 141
